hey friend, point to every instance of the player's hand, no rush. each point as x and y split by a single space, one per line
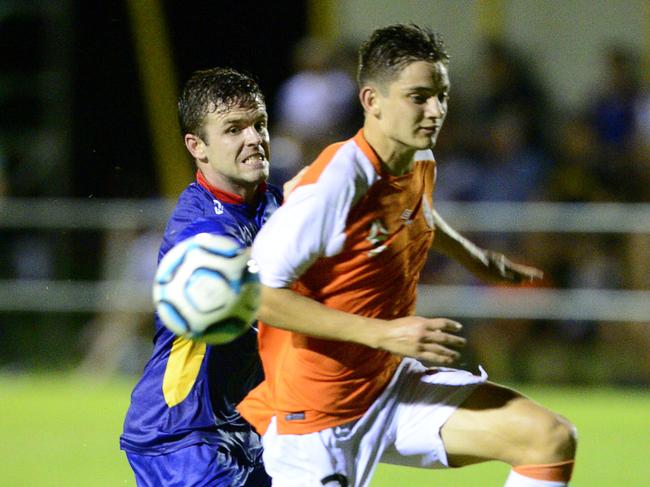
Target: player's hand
430 340
289 186
502 269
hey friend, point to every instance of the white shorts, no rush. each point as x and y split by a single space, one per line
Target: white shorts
402 427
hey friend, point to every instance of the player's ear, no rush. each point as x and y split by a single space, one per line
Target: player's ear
195 146
369 98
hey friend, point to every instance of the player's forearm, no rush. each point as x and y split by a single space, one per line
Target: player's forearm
452 244
283 308
488 265
431 340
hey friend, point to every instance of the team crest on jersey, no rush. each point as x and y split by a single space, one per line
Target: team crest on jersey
218 207
377 235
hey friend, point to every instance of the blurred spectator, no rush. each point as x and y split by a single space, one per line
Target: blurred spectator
641 149
638 244
29 254
510 85
592 262
114 340
314 107
496 153
613 115
458 171
579 174
642 120
613 109
512 169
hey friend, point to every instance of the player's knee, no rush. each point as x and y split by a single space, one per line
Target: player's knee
565 438
549 438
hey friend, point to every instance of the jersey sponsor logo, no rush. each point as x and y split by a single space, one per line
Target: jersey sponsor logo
218 207
378 234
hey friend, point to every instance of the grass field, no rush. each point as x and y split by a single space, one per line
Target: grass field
63 431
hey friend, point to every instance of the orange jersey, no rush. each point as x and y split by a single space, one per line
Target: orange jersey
354 238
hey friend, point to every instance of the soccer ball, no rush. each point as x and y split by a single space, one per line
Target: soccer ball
207 289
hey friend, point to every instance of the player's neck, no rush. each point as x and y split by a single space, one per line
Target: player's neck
395 157
219 185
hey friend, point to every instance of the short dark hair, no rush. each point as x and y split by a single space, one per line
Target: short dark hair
390 49
215 89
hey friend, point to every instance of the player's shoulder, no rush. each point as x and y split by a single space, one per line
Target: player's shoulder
193 200
196 211
339 167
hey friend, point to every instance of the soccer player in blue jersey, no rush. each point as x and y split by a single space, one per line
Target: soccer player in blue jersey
182 428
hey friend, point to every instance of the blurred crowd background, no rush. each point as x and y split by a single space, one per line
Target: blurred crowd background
74 124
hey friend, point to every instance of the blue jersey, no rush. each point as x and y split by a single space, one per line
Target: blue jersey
188 392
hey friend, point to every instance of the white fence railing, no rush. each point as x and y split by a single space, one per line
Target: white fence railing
459 301
83 214
92 213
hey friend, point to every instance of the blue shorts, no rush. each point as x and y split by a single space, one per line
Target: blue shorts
198 465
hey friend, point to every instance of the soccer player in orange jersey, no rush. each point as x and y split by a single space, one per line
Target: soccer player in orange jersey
343 354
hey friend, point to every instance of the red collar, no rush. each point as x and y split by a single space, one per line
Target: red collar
225 196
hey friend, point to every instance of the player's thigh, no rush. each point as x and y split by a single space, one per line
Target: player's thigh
428 398
195 466
498 423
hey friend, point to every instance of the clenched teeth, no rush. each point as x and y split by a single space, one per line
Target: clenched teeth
253 159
